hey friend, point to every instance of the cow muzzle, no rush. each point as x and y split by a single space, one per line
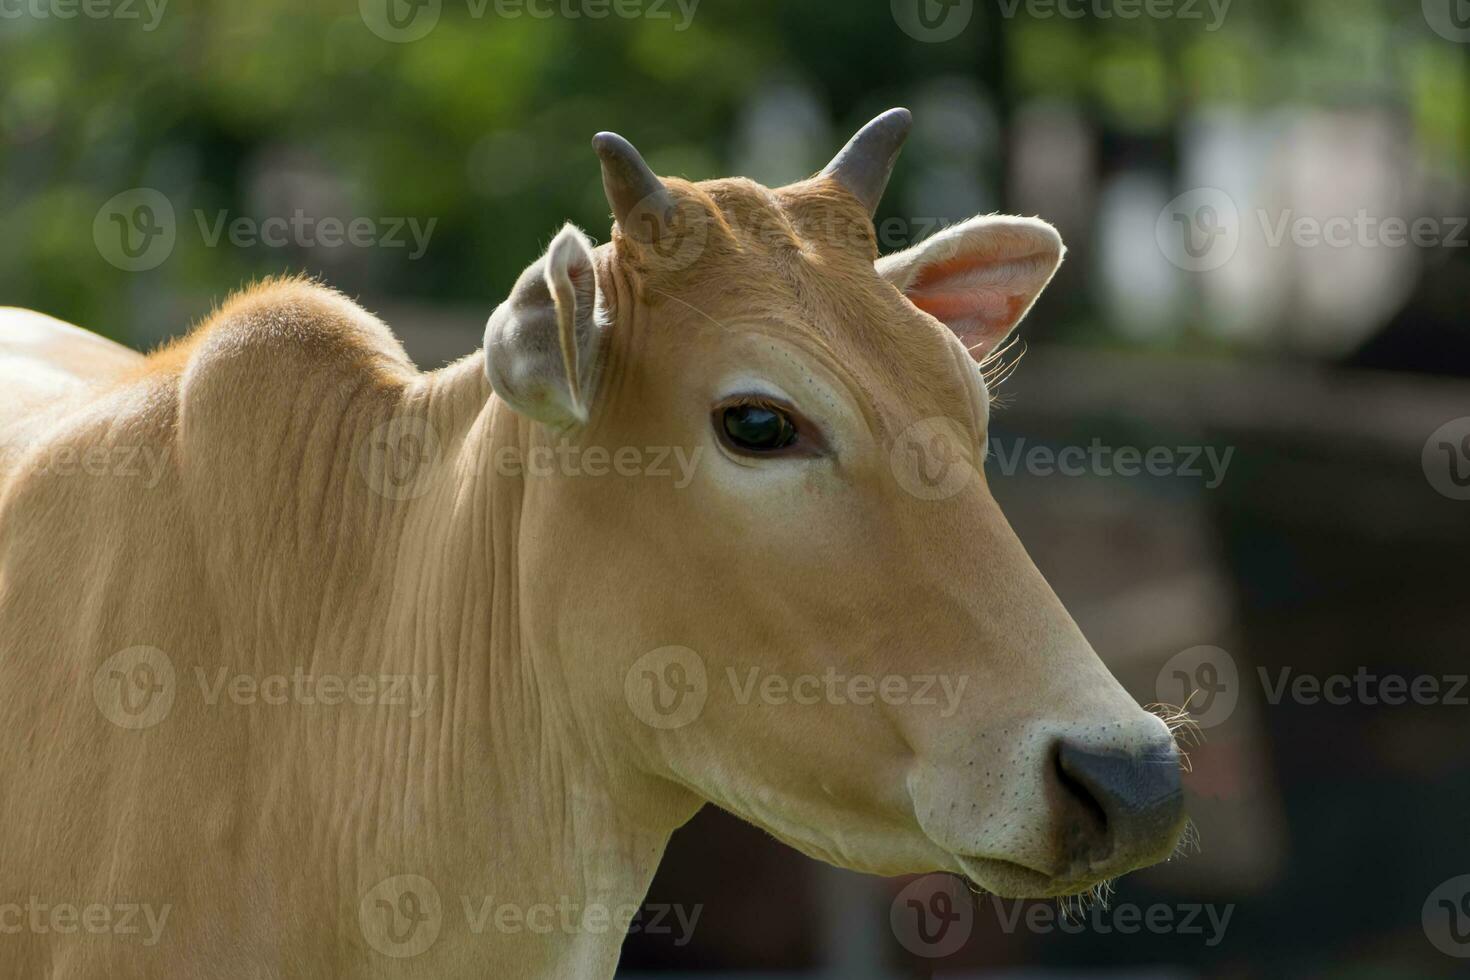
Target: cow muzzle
1121 808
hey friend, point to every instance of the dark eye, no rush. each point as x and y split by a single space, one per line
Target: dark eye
755 428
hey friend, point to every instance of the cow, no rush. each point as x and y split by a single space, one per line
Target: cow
313 664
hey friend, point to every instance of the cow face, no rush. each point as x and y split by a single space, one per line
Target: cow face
823 623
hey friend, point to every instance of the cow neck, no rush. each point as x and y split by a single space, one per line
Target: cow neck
552 822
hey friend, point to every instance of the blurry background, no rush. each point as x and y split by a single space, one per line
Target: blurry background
1265 203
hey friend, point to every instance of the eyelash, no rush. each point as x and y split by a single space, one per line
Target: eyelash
759 401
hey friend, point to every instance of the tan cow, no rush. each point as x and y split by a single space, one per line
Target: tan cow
312 664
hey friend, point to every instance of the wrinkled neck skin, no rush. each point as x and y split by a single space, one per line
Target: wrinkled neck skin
560 824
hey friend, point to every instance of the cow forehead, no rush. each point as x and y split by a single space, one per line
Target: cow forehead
813 217
803 255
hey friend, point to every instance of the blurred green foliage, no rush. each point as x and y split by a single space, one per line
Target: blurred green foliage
483 125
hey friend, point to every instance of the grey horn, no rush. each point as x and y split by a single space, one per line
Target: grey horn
866 162
632 187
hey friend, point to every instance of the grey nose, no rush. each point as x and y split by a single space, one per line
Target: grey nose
1134 798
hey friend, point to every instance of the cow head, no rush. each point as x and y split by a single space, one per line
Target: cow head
825 624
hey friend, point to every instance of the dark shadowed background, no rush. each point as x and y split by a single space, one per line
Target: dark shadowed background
1238 444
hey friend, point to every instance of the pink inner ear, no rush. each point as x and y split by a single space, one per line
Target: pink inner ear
980 300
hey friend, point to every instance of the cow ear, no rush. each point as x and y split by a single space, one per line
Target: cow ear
542 344
979 277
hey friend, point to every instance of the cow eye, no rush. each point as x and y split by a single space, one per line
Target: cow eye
753 427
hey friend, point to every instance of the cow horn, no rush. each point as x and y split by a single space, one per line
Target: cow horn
629 184
866 162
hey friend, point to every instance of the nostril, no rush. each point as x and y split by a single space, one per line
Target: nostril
1088 808
1134 800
